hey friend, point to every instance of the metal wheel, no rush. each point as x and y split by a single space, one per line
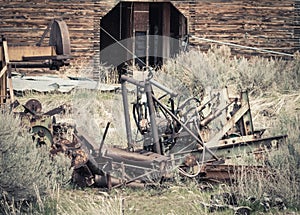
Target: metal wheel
59 37
41 136
34 105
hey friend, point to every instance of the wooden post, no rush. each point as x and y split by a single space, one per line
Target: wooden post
3 75
10 84
8 74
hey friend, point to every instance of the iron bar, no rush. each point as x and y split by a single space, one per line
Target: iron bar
163 88
132 81
126 113
152 114
103 138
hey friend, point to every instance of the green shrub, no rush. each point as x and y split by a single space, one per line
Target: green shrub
218 68
26 173
274 88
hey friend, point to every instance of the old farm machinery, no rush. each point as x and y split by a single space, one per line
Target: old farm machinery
175 136
177 133
53 56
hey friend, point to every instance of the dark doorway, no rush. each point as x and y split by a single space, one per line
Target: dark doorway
155 19
153 31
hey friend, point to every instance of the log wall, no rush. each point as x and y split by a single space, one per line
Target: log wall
24 21
267 24
270 24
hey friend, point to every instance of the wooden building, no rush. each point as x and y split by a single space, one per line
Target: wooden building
269 24
135 22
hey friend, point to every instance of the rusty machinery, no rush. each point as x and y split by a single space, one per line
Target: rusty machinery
175 136
53 56
43 127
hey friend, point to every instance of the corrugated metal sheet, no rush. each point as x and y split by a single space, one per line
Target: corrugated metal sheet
57 84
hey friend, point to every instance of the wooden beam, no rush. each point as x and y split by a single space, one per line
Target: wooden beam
3 70
5 50
10 85
16 53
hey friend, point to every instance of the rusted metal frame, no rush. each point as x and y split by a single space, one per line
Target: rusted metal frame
227 172
103 138
247 138
213 116
152 114
251 140
193 151
135 156
148 90
126 113
124 165
163 88
90 162
248 146
134 179
151 81
132 81
247 118
230 124
129 161
136 166
180 133
185 127
54 57
55 111
30 64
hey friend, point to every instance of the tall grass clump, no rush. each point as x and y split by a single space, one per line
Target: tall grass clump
274 86
281 175
27 173
82 202
218 68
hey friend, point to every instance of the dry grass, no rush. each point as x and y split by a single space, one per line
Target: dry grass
274 88
26 172
217 68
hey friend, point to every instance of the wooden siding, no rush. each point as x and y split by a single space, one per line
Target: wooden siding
265 24
270 24
23 22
